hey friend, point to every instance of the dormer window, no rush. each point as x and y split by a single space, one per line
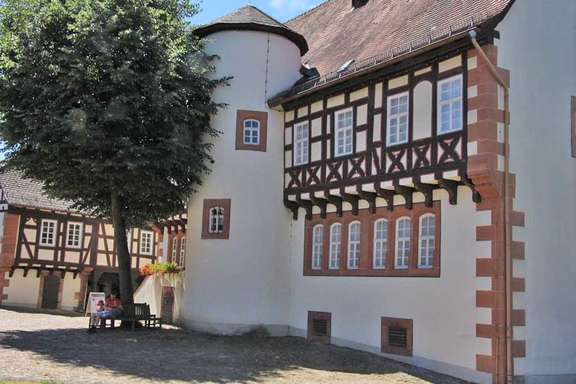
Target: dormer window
251 132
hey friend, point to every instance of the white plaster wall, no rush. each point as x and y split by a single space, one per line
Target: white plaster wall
444 309
150 292
538 46
242 281
22 291
69 289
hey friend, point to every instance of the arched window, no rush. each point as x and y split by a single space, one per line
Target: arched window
403 234
380 244
216 220
251 132
427 241
317 246
354 245
335 246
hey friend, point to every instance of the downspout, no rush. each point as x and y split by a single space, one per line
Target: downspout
508 274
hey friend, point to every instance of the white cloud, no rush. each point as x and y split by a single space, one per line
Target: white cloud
292 7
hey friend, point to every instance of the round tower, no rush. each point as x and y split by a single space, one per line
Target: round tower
238 229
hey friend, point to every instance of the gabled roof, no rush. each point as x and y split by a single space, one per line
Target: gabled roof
337 33
22 192
250 18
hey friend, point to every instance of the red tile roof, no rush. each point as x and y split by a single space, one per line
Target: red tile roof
337 33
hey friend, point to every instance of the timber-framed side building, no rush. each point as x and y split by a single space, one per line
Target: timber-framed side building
52 255
396 176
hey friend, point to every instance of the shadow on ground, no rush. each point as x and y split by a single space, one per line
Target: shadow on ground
175 354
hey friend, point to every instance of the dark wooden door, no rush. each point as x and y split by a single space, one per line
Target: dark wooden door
50 292
167 305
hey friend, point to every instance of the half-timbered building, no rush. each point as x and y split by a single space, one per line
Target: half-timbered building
395 176
52 255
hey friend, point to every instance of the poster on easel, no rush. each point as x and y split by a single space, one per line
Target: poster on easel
93 300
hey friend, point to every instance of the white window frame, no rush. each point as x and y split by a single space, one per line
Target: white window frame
146 247
450 104
216 221
174 249
347 131
44 225
302 144
403 243
427 243
253 130
381 243
182 251
397 116
317 246
354 246
80 227
335 246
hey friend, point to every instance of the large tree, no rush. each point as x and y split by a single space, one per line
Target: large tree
108 103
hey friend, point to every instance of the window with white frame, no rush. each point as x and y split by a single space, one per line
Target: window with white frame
251 132
48 232
216 220
182 251
146 242
174 249
403 234
380 244
354 245
344 133
450 105
427 241
73 235
301 143
335 246
398 119
317 246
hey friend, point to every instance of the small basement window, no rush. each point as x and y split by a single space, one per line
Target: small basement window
397 336
319 327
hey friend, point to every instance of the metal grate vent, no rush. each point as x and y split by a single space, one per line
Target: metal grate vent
320 327
398 337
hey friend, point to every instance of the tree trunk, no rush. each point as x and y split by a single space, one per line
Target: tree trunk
124 258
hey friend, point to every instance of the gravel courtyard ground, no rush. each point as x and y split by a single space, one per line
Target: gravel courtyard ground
36 347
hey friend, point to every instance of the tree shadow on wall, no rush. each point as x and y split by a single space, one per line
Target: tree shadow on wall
175 354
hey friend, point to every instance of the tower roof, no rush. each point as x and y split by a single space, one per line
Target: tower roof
250 18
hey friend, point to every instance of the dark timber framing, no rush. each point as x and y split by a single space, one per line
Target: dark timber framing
434 155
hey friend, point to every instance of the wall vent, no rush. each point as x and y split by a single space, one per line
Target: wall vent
397 336
319 326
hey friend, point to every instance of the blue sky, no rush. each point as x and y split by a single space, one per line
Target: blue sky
281 10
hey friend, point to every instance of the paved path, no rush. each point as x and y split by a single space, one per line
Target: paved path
41 347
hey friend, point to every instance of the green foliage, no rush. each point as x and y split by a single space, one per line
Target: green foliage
103 96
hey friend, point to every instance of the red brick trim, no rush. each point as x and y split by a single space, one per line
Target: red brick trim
391 322
8 251
209 204
367 221
262 118
325 316
489 181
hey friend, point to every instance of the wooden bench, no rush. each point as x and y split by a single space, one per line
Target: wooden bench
134 313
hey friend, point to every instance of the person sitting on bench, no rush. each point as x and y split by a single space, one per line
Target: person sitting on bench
114 305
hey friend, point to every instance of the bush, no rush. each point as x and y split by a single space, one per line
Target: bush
159 269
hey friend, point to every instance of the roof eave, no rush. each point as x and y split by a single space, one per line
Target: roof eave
295 37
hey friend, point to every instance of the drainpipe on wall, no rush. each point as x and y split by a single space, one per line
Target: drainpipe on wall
509 369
